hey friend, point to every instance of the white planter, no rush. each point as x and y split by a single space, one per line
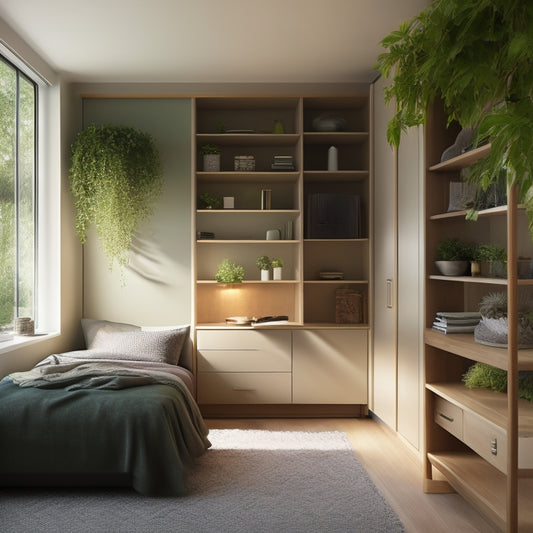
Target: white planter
277 273
211 162
265 275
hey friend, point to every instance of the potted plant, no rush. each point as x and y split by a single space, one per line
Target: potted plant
277 268
453 257
211 157
492 260
209 201
264 264
228 272
115 178
473 55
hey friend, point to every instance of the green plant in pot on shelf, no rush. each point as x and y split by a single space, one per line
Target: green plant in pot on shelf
211 157
277 268
207 200
453 257
477 57
264 264
492 260
115 177
229 272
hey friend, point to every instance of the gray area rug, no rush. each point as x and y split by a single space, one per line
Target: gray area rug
249 481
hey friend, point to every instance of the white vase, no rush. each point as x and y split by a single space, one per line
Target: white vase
211 162
265 275
277 273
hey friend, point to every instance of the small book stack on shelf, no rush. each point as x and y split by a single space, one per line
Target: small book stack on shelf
283 162
456 322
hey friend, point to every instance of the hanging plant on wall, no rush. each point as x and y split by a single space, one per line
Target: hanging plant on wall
115 177
477 56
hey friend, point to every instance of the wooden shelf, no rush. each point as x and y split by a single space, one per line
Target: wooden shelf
493 211
463 344
336 137
470 279
248 139
462 161
484 486
249 282
245 241
336 281
248 177
258 212
319 176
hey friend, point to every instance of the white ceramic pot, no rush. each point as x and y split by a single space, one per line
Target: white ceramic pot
265 275
277 271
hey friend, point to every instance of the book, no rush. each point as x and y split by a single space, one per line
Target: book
453 329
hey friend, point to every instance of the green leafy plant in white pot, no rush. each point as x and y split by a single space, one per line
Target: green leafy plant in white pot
264 264
277 268
115 178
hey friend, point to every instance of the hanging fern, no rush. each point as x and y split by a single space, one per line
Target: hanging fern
477 56
115 177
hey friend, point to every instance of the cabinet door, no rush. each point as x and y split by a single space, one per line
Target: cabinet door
330 366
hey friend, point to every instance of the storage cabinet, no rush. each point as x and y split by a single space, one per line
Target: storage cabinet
479 439
291 162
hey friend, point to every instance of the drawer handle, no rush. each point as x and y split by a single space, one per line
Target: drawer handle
243 389
446 417
494 446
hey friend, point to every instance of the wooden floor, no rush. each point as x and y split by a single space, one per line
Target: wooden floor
395 468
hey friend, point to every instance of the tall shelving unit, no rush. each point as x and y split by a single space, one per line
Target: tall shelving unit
246 126
480 440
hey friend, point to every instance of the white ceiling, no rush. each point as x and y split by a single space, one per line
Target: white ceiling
209 41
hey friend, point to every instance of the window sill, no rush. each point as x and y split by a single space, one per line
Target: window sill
14 342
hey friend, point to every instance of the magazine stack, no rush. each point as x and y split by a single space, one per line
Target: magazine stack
456 322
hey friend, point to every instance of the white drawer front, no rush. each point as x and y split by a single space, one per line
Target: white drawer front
449 416
486 439
244 351
244 388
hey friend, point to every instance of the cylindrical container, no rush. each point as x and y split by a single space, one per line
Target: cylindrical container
24 326
333 163
266 198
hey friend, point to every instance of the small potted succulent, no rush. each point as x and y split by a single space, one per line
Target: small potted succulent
229 272
277 268
453 257
264 264
211 157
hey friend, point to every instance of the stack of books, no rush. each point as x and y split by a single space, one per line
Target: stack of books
456 322
283 162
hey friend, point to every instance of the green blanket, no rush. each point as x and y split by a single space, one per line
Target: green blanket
137 423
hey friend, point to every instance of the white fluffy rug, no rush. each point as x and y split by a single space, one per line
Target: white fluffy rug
249 481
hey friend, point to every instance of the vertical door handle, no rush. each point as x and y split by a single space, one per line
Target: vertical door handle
389 293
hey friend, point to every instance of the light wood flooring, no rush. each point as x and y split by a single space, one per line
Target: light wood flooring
395 468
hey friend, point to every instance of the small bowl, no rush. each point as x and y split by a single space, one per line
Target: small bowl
452 268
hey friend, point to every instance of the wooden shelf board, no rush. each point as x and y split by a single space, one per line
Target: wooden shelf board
486 403
289 325
337 137
259 212
471 279
463 344
336 281
248 177
245 241
248 139
335 175
463 160
249 281
492 211
336 241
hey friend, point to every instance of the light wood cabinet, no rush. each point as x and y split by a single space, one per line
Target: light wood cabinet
310 246
479 439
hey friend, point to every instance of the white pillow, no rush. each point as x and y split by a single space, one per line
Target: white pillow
155 346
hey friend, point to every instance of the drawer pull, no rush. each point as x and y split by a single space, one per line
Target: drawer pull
446 417
243 389
494 446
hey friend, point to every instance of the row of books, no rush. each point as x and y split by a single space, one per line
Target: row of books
283 162
456 322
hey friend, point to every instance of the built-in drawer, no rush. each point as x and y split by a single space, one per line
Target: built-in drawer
449 416
244 351
244 388
486 439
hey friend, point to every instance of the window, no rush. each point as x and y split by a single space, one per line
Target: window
18 149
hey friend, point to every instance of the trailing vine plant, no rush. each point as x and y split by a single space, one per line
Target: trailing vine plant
477 56
115 178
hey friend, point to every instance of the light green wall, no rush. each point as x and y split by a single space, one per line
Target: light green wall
158 281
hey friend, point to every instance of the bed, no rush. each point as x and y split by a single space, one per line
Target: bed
122 411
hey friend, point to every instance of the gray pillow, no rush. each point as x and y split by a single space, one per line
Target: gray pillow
91 327
155 346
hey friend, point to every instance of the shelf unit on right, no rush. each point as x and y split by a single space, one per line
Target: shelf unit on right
480 441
